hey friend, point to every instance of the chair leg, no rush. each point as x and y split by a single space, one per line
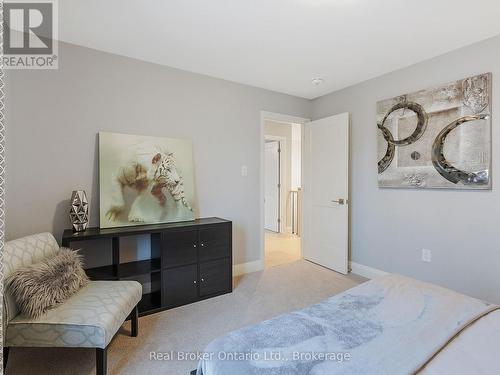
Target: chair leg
101 361
134 322
5 356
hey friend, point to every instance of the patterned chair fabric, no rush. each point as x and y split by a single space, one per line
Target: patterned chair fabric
21 253
89 319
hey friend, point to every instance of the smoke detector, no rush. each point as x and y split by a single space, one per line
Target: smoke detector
317 81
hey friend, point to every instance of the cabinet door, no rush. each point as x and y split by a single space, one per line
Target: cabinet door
179 247
180 286
215 277
215 242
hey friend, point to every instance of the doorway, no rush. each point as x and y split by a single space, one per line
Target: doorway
282 185
315 204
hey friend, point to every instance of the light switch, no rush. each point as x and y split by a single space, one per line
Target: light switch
426 255
244 171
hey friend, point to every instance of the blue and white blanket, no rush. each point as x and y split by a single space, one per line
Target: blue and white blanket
390 325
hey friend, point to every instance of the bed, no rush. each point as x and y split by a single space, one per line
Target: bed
389 325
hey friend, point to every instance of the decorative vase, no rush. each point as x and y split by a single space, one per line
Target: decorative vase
79 213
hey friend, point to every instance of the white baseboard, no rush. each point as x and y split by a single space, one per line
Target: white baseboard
358 269
365 271
242 268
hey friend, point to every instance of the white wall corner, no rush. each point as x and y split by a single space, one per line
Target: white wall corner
249 267
365 271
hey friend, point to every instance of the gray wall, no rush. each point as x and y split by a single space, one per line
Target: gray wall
391 226
53 119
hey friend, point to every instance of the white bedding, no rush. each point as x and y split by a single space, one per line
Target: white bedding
390 325
475 351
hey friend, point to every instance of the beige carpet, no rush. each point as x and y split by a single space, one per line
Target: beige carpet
281 248
256 296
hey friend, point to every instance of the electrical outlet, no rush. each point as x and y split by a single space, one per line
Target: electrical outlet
426 255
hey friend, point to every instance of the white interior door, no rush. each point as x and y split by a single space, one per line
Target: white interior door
272 186
325 192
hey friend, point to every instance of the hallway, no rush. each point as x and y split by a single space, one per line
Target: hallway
281 248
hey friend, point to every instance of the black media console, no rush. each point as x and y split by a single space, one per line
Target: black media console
190 261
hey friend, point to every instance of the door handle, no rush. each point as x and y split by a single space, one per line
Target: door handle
340 201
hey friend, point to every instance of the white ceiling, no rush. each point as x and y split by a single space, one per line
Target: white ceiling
280 44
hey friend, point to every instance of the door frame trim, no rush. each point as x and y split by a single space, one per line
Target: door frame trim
276 117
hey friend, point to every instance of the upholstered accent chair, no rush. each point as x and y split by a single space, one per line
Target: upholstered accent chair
88 319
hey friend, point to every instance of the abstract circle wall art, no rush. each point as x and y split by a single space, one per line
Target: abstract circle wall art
438 137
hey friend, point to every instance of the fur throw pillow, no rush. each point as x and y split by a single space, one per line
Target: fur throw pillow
42 286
